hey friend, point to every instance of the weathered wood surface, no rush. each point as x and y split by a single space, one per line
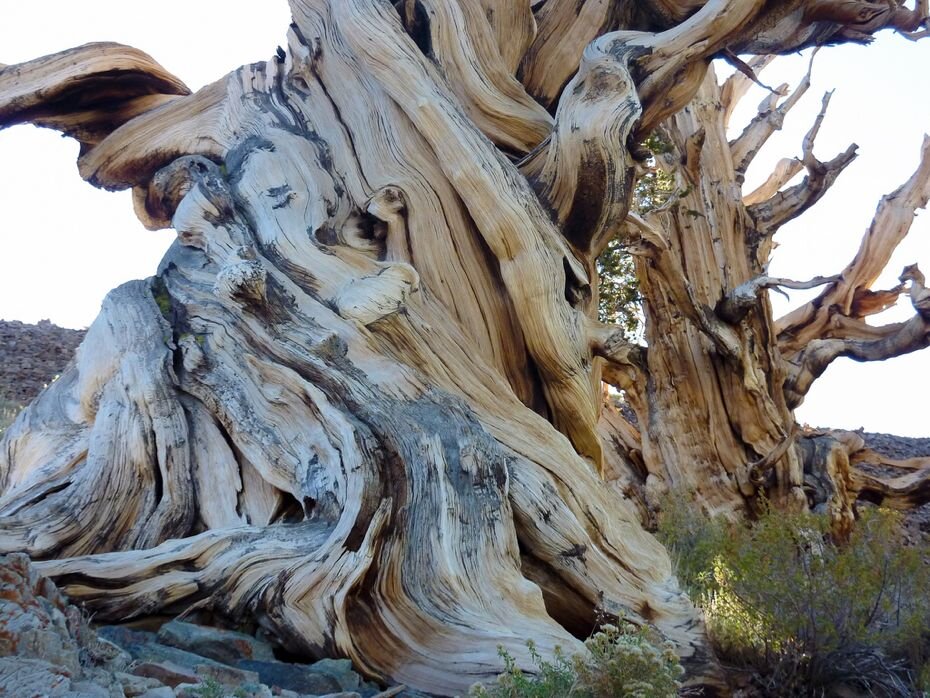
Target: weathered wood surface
361 401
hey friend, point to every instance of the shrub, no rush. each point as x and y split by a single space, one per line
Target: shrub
619 662
804 613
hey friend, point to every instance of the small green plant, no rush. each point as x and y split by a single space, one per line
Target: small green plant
802 612
619 662
210 688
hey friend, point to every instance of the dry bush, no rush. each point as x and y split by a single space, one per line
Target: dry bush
803 613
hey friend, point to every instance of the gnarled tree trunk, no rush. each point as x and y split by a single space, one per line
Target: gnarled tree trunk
361 401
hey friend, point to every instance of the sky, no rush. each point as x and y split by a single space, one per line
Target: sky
64 244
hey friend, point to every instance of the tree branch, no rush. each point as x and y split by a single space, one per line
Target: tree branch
787 28
737 85
86 92
849 296
769 119
584 172
784 171
890 341
738 302
787 205
514 29
564 30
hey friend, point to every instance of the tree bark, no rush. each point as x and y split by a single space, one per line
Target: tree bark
361 400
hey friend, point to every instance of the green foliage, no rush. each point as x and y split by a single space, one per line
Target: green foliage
211 688
801 611
619 300
619 662
162 297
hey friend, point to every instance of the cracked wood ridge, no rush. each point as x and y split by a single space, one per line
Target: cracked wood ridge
361 403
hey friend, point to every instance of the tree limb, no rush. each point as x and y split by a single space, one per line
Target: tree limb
564 30
896 340
584 172
514 29
848 296
769 119
737 85
85 92
784 171
734 306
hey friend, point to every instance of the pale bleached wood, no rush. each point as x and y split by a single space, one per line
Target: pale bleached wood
784 172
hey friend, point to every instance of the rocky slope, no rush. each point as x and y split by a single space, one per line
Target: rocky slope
31 356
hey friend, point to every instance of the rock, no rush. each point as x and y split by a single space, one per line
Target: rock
226 675
391 692
295 677
87 689
136 685
224 646
23 677
339 669
371 690
255 690
34 617
247 690
168 673
193 690
125 637
342 694
102 652
161 692
155 652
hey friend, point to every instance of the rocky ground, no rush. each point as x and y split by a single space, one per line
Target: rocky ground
31 356
48 648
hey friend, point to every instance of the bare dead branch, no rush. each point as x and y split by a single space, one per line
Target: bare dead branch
759 470
584 172
787 205
899 339
738 302
784 171
769 119
847 297
737 85
514 29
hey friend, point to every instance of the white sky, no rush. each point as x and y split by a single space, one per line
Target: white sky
64 244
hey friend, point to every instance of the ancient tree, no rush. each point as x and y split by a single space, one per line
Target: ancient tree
362 401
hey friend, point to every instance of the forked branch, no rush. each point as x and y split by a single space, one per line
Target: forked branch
850 297
786 205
